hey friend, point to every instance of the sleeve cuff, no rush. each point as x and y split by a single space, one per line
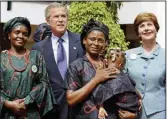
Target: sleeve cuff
28 100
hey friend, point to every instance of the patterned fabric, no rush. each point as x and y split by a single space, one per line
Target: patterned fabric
31 84
79 73
120 91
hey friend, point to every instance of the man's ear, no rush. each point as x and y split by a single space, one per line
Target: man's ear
47 20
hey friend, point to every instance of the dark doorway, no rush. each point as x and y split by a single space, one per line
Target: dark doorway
4 44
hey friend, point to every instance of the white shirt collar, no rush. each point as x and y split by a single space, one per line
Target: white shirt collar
64 37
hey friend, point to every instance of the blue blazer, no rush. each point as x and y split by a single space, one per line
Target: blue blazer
149 73
57 82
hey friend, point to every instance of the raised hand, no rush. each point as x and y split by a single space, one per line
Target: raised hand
105 74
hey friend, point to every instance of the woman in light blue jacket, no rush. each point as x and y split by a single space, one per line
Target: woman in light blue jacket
146 66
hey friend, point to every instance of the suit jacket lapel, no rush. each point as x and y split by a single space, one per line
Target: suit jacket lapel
50 60
48 52
72 48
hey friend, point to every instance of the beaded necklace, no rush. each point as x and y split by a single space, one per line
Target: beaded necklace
16 69
96 66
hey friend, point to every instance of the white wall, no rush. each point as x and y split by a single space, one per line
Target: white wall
129 11
34 11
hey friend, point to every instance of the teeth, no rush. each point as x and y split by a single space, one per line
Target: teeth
147 33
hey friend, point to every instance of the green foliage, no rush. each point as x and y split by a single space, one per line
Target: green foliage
81 12
113 9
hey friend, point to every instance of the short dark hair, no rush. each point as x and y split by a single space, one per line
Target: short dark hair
94 25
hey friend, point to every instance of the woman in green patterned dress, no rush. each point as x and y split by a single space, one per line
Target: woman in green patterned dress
25 92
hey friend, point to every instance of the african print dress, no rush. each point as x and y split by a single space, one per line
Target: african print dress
120 92
26 79
80 72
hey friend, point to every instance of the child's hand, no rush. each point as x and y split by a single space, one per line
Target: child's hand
102 113
139 100
126 114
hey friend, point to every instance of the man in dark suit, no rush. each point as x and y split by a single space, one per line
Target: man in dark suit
56 16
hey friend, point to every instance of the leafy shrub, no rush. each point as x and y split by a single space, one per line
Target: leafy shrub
81 12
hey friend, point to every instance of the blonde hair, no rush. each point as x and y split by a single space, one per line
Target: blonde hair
54 5
145 16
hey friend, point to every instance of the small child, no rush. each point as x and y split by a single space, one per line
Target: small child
116 94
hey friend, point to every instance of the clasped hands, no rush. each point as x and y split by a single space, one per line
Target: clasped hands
17 106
